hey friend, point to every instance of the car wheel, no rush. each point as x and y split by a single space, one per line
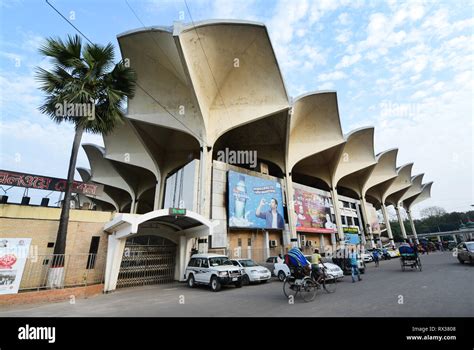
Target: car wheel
191 281
215 284
461 260
238 284
245 280
264 281
362 271
281 276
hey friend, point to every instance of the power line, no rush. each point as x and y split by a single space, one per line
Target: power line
143 89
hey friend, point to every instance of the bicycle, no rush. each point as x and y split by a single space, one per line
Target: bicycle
307 286
326 281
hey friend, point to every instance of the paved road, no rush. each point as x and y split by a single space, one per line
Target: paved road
444 288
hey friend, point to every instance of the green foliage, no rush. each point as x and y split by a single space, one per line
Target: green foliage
85 74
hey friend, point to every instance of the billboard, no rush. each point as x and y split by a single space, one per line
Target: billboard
254 202
39 182
13 255
312 210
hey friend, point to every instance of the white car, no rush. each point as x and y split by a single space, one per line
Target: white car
367 257
282 270
252 271
213 270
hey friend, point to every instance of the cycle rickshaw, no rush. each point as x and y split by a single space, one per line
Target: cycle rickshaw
409 258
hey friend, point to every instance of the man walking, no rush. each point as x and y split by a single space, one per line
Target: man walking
354 265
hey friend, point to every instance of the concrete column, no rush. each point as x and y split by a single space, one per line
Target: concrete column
115 249
321 242
266 245
400 221
290 206
179 275
365 218
387 224
337 214
156 201
413 229
361 227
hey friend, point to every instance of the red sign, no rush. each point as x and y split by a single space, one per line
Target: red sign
39 182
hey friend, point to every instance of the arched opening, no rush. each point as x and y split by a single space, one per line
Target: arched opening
147 259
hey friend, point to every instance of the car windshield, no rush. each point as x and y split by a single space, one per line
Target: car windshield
220 260
248 263
470 246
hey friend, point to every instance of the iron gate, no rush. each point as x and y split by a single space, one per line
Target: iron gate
146 264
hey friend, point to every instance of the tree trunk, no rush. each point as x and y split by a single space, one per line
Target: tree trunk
60 246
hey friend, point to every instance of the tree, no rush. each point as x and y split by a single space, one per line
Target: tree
432 211
84 87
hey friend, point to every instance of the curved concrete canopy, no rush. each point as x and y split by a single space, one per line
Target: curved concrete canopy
161 77
399 186
415 187
266 136
139 179
234 73
104 197
314 126
103 171
125 145
357 158
423 195
169 148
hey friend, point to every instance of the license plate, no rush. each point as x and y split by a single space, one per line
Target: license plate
234 279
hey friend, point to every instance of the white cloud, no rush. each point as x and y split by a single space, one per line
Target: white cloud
344 36
336 75
348 60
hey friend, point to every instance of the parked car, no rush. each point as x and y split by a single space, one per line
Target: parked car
282 270
393 253
270 262
213 270
367 257
252 272
465 252
341 259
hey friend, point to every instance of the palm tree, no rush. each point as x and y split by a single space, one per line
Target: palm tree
86 88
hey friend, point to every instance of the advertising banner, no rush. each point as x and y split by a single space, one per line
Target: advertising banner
352 238
254 202
10 178
13 255
312 210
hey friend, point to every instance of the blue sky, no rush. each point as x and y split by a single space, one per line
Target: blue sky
404 67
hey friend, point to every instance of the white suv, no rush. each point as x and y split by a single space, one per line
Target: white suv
212 270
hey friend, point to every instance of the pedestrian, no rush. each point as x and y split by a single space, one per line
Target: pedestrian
353 259
375 256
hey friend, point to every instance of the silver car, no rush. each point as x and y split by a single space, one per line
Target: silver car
466 252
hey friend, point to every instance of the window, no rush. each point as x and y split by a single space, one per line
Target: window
235 263
204 263
353 206
270 260
94 247
349 221
192 262
249 242
343 220
356 221
345 204
50 244
239 242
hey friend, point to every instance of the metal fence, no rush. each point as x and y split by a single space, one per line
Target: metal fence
79 270
147 264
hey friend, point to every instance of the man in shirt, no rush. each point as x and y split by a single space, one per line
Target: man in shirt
354 265
272 217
